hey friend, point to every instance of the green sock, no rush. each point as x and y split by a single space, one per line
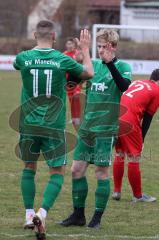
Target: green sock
28 188
79 192
102 194
52 190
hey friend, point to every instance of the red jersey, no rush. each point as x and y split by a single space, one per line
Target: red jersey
71 54
75 90
141 96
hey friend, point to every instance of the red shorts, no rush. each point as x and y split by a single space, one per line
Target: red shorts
130 143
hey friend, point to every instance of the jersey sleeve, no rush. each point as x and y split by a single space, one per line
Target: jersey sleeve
153 106
126 71
17 64
69 65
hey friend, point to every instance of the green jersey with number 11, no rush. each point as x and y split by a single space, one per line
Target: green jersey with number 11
43 96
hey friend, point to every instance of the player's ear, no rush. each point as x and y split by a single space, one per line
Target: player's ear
114 47
35 35
53 36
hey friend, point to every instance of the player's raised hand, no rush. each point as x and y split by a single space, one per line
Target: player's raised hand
85 40
108 54
83 45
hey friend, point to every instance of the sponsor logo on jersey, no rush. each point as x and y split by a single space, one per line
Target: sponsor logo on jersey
99 87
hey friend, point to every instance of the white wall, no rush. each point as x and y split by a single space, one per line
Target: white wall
140 17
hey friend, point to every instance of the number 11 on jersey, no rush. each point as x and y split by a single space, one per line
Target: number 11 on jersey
35 73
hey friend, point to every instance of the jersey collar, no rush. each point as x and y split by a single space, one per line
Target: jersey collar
43 49
113 60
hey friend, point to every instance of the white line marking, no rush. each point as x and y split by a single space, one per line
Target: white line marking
85 235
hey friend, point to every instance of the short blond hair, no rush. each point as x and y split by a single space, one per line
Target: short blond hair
109 35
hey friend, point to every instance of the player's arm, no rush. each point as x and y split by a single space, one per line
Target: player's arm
149 113
78 71
121 82
83 44
108 58
74 79
146 122
17 62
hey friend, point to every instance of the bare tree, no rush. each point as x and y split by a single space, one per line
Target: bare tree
13 17
73 15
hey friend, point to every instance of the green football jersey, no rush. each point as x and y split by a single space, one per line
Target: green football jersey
43 98
103 99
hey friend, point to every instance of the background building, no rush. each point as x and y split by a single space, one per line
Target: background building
140 13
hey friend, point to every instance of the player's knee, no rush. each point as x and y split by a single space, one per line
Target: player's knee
119 156
57 170
134 159
76 171
31 166
102 172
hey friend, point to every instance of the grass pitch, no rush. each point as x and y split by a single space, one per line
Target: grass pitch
122 220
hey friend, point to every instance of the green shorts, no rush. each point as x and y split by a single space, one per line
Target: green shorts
95 150
53 150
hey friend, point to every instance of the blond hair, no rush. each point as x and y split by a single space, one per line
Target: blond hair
109 35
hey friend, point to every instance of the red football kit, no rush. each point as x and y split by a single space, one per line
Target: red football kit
73 94
141 96
75 90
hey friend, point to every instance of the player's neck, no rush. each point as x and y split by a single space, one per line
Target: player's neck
156 82
71 50
44 45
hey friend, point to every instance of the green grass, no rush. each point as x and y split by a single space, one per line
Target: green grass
122 220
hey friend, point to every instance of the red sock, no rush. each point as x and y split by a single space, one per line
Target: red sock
134 176
118 172
76 106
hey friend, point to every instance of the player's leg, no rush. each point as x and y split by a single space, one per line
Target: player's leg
54 151
53 188
29 153
118 170
102 160
101 195
134 144
70 93
79 194
134 176
51 192
79 184
76 108
28 189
